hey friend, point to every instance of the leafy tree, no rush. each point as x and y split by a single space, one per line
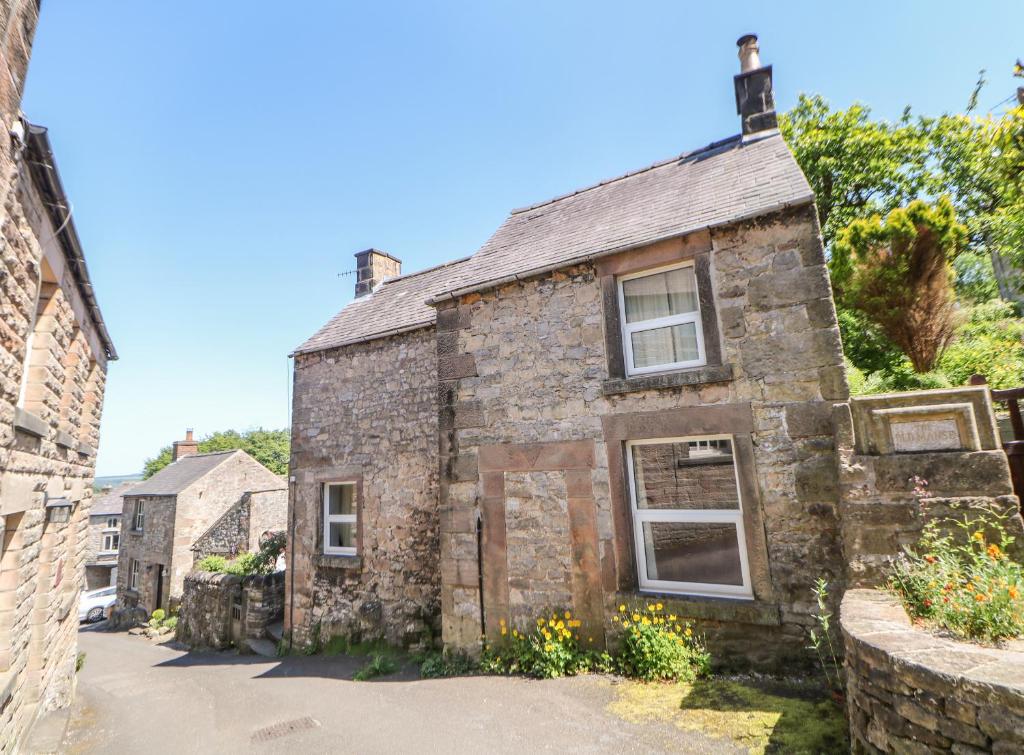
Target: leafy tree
990 342
270 448
898 273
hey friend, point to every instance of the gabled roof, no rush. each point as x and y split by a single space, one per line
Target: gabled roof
178 475
726 182
722 183
111 503
398 304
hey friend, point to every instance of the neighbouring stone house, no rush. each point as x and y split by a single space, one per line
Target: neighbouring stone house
104 537
167 514
54 350
626 391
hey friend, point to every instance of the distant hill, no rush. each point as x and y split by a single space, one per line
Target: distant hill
114 480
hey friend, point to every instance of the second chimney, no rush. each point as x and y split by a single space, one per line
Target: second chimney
755 98
373 266
182 448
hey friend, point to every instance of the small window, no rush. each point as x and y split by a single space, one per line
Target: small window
340 518
140 515
661 321
133 575
112 523
111 540
688 517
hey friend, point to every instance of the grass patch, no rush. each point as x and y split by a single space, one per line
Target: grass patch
380 665
445 664
762 715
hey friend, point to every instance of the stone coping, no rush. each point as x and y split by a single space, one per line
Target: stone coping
30 423
877 624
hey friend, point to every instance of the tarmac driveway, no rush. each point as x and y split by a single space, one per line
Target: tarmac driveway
138 697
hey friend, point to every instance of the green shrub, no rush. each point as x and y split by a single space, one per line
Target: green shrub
156 619
381 664
216 564
171 622
552 649
658 646
79 662
244 565
990 342
445 664
961 578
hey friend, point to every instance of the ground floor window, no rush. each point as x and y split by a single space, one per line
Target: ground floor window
688 517
133 574
340 519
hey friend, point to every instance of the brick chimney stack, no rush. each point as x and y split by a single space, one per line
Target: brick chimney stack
755 98
187 447
373 266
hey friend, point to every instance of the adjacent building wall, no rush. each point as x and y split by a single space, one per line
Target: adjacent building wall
531 422
367 413
152 547
100 566
240 528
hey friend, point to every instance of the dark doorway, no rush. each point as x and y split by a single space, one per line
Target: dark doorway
159 569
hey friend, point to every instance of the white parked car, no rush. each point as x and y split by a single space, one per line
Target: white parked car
95 604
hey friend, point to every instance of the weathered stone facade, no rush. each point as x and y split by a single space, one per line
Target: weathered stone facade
179 507
240 528
53 358
909 690
222 610
101 551
527 364
391 588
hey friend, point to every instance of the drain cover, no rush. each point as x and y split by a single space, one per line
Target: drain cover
284 728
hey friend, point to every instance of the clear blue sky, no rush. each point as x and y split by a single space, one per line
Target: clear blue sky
225 159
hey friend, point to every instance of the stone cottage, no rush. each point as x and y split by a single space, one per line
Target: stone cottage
164 517
104 537
625 392
54 350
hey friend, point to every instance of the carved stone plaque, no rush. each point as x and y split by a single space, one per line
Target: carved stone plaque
926 435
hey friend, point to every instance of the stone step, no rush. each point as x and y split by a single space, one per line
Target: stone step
266 648
275 631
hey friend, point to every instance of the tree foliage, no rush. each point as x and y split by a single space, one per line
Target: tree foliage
270 448
898 273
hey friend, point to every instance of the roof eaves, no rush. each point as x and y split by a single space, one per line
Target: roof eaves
533 272
363 339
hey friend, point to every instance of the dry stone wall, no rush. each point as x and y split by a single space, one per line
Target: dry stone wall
219 611
368 414
527 364
911 691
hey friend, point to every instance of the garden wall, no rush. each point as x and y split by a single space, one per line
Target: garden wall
208 617
909 690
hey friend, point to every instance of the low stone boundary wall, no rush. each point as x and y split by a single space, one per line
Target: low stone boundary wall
221 610
909 690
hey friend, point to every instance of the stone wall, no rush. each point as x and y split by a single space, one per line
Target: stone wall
526 371
367 414
152 547
911 691
239 529
49 434
206 617
882 508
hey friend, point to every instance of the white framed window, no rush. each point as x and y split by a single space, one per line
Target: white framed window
340 518
688 517
133 574
140 515
112 523
111 540
661 323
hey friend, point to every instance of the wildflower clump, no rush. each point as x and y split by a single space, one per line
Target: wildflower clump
550 649
657 645
961 578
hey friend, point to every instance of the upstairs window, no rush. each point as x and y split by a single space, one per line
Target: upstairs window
340 518
112 523
140 516
661 320
688 517
111 540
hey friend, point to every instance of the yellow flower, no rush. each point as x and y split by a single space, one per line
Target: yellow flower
551 622
547 634
501 621
504 631
689 632
625 625
548 647
678 628
622 607
646 621
560 625
659 606
540 622
994 553
568 615
672 617
979 536
650 607
615 617
636 617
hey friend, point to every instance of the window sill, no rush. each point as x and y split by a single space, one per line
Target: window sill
329 561
29 423
65 440
86 450
697 376
739 611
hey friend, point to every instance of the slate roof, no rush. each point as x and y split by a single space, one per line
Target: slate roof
396 305
110 503
723 183
179 474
